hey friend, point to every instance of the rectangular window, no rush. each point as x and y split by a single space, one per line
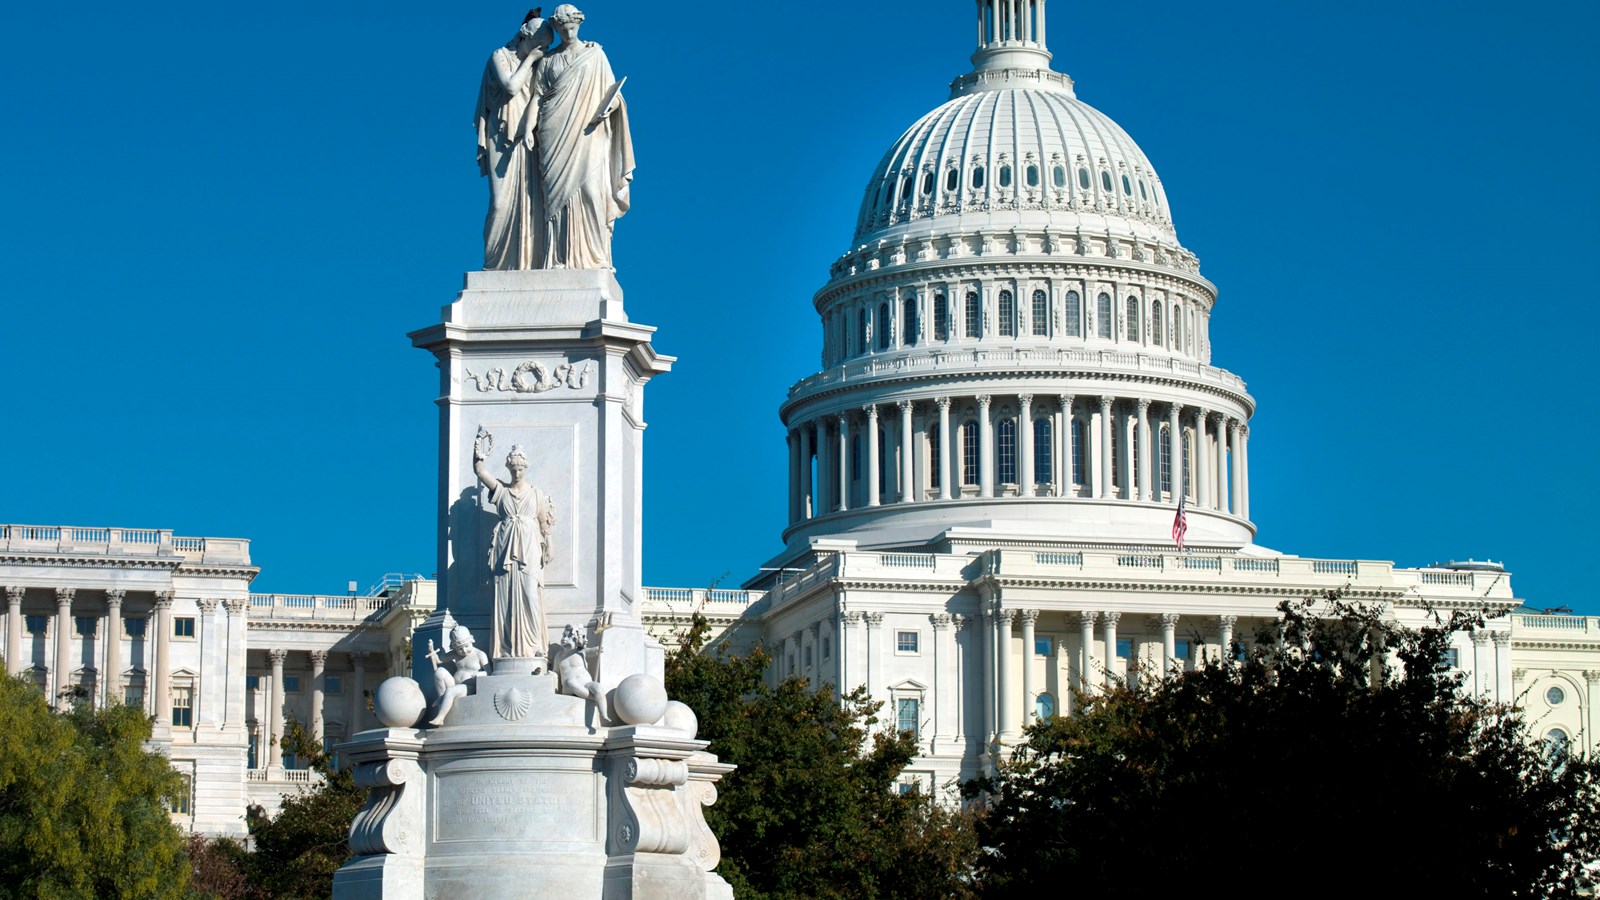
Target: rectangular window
181 801
183 627
291 759
1116 453
1043 457
1008 315
1008 451
182 707
969 453
905 642
133 695
251 760
908 715
906 788
1079 476
1103 323
38 625
133 627
791 664
1452 658
1125 648
974 321
805 656
85 625
1041 314
252 682
933 455
332 684
1180 650
1074 315
827 647
291 684
1042 646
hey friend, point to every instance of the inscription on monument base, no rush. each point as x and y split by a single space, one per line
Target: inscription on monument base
510 806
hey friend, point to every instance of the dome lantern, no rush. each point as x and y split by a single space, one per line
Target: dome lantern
1011 46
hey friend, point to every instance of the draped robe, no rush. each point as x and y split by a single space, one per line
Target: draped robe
584 172
517 557
505 151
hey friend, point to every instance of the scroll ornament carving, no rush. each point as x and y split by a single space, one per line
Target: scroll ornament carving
533 377
391 819
655 820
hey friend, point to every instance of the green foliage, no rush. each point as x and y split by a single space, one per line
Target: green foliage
298 850
83 804
811 811
1339 734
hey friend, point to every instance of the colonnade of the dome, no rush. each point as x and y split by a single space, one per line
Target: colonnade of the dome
965 446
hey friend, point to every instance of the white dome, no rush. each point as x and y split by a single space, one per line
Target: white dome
1014 147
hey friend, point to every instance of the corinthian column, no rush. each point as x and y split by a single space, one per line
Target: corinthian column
1175 424
908 473
1144 490
61 672
275 710
808 505
1025 474
1086 650
844 462
1236 477
985 449
14 630
1202 459
1029 706
1244 471
1105 449
943 663
1110 637
1063 465
111 680
163 660
944 447
873 498
1169 642
1003 705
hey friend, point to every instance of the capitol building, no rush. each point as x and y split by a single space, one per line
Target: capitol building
1017 406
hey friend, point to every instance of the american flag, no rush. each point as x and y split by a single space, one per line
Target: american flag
1180 524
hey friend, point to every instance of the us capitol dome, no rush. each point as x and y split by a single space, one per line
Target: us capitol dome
1016 346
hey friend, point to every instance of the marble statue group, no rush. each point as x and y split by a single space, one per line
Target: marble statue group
553 141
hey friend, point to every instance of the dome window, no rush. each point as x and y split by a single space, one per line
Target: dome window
1127 186
885 335
1060 176
1103 326
1006 459
1041 314
952 180
908 322
974 316
1155 321
927 183
1005 176
977 178
969 452
1074 315
1143 195
905 186
1008 315
1033 175
1083 178
941 318
1132 318
1105 181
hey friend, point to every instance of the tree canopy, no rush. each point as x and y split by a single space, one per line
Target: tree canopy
812 810
83 804
1341 752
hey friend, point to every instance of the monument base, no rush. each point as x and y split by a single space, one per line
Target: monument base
522 792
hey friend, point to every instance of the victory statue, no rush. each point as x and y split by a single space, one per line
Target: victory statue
553 140
517 555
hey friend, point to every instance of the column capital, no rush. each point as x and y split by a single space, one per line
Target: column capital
164 600
1086 617
14 595
1030 616
844 420
1481 638
983 402
904 405
1519 674
942 402
1066 402
319 657
1233 427
1169 620
1591 675
871 411
1227 621
941 621
1244 429
959 621
236 606
277 655
114 598
360 656
1007 616
64 596
1111 618
1025 399
815 628
208 605
850 618
1200 415
1501 638
1105 403
1144 405
874 619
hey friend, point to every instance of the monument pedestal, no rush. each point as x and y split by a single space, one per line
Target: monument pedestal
524 790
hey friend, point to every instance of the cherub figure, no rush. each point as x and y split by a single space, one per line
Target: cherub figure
450 678
574 675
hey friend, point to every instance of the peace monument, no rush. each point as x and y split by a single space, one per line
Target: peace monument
540 767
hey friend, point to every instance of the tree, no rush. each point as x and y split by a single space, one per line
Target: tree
298 850
1341 752
812 810
83 804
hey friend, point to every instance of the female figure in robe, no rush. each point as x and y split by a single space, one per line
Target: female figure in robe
584 149
505 148
518 553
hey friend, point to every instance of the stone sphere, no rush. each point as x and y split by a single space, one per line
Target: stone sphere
680 717
640 700
399 702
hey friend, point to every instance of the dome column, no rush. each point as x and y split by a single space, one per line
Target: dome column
1063 480
944 447
1175 424
1220 475
908 477
1236 460
1025 478
807 450
1146 489
1202 460
1104 432
872 454
844 462
795 507
1244 471
985 449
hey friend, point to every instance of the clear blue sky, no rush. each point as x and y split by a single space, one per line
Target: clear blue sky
220 221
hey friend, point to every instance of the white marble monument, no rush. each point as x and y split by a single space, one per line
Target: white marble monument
547 765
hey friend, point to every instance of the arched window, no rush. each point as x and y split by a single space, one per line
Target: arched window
1166 459
908 322
969 452
1127 186
863 332
1133 318
1007 458
1188 468
1008 315
1177 328
1045 706
884 334
1155 322
905 188
1043 444
1060 176
1074 314
1083 178
1103 314
1041 313
1005 176
977 178
927 183
1079 475
941 318
952 180
1032 173
974 311
1105 181
933 455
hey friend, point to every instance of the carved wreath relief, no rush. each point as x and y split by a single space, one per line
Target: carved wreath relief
533 377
